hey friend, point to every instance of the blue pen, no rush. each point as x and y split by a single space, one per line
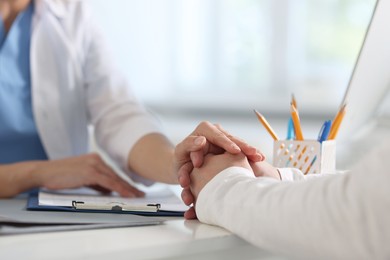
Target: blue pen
324 132
290 130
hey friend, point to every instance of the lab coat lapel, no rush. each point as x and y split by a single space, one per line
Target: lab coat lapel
56 106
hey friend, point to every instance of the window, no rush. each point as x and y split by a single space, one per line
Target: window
236 54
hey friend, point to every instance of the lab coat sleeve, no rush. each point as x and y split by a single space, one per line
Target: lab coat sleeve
119 119
342 216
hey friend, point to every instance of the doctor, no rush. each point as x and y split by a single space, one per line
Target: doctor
56 78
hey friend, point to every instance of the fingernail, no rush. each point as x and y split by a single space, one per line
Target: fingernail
198 140
235 147
259 157
181 179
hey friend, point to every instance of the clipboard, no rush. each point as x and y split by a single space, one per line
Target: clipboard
115 207
15 219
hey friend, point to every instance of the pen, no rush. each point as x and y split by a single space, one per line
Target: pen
297 123
290 127
290 130
324 132
336 123
267 126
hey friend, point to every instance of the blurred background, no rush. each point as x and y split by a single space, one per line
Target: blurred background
217 60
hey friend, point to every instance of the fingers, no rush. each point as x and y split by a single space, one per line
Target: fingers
184 174
206 139
113 185
97 162
209 138
100 189
121 186
215 136
190 214
188 145
197 158
187 197
250 151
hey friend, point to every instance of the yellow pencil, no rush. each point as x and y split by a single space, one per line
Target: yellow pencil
267 126
336 123
297 123
294 101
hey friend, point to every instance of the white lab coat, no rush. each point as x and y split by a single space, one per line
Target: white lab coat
74 84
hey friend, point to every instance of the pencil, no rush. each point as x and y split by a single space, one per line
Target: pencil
297 123
267 126
294 101
336 123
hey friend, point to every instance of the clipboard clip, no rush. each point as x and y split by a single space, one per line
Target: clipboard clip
115 207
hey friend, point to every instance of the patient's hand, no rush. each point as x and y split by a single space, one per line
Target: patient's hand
205 139
264 169
214 164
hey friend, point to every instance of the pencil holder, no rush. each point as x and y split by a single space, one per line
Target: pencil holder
309 156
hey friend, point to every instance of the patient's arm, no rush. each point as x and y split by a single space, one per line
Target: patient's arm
341 216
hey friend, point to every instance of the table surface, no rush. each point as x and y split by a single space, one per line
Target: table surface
175 239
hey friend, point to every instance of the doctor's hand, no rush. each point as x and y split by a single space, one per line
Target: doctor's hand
86 170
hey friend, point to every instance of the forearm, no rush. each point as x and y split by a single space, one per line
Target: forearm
18 177
321 218
152 158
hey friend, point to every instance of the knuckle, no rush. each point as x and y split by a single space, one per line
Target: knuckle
217 125
94 158
90 172
204 124
230 136
220 135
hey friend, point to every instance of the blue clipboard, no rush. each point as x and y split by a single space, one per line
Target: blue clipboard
32 204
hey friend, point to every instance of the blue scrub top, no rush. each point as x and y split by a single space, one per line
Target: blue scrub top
19 139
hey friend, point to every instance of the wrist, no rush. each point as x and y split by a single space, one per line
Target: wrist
36 173
18 177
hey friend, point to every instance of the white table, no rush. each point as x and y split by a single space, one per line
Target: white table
175 239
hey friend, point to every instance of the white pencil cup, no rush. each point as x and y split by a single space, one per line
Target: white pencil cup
309 156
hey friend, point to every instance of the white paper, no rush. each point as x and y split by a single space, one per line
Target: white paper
165 197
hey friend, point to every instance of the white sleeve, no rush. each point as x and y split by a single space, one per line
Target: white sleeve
339 216
120 120
293 174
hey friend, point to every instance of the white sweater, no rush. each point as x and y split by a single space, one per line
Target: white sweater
342 216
